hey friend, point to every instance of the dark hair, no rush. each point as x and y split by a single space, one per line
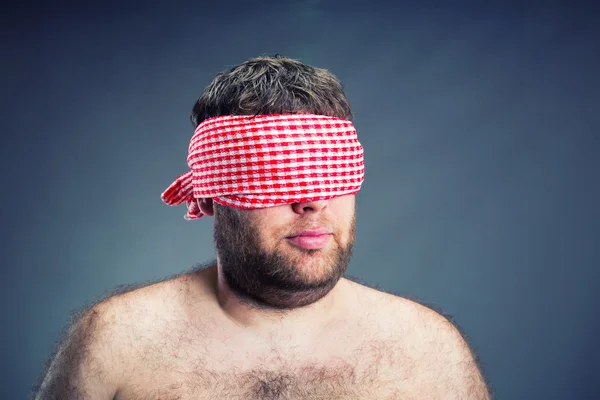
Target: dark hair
272 85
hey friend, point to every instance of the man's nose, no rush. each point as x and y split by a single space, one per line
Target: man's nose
309 206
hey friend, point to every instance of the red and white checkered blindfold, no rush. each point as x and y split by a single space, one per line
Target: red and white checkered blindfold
262 161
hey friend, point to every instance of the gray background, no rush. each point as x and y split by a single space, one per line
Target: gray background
479 128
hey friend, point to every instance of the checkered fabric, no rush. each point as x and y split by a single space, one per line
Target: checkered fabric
261 161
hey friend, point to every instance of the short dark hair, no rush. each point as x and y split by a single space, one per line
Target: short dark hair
272 85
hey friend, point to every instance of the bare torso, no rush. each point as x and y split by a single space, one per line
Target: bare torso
179 349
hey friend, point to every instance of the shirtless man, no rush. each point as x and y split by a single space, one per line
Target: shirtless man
273 317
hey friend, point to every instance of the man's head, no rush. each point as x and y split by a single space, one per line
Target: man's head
272 85
288 255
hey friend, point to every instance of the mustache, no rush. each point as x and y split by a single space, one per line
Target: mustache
323 223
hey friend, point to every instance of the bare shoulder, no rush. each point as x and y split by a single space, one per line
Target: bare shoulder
400 311
105 342
131 316
442 349
149 309
425 320
90 358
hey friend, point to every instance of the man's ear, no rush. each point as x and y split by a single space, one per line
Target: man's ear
206 206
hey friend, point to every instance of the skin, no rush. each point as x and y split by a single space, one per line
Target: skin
299 307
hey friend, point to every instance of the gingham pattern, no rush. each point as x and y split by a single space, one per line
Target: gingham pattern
261 161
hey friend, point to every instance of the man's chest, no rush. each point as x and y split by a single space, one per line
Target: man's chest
375 370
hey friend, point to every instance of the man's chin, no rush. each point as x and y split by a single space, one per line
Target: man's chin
300 254
312 266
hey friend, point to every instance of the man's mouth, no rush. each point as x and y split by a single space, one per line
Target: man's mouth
311 238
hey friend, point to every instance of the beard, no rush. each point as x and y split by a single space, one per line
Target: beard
271 280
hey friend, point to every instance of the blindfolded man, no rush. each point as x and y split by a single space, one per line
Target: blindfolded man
276 161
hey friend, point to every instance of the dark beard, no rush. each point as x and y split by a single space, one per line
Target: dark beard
269 281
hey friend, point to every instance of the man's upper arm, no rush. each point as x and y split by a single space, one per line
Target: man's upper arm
450 367
86 365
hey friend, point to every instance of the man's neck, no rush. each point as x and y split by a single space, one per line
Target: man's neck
302 322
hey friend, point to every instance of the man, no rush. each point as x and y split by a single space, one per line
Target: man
276 161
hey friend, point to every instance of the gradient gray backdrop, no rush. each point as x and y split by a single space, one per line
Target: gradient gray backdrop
479 128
